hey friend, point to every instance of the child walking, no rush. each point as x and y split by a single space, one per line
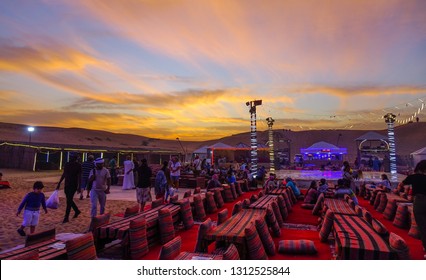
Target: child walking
32 202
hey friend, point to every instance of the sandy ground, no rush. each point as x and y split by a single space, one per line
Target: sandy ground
22 182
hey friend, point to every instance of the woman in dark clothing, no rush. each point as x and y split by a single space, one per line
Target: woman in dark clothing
418 184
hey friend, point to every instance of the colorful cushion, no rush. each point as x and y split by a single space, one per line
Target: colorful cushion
187 194
311 197
265 237
137 239
351 203
377 200
283 207
383 200
31 255
292 196
200 213
367 216
99 221
277 213
358 210
227 194
401 217
272 222
398 244
218 198
202 230
38 237
414 229
255 250
287 202
174 198
186 214
326 226
238 189
130 211
307 206
260 194
233 191
302 246
390 210
318 205
197 190
157 203
210 203
380 229
167 230
237 208
231 253
253 198
222 216
246 203
171 249
81 248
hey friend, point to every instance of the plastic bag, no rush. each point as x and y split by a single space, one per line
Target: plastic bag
53 201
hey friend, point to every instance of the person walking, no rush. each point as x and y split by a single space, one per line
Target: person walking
418 184
101 184
72 176
129 179
113 170
175 167
143 188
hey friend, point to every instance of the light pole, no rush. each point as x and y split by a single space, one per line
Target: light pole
184 152
253 137
390 119
271 144
30 131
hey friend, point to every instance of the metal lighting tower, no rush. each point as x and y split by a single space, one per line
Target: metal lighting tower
184 152
271 144
30 131
390 119
253 137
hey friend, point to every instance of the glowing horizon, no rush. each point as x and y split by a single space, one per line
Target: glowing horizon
163 69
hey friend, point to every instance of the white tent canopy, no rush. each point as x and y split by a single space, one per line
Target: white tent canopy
418 155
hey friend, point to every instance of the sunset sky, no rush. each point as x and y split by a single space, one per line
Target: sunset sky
168 69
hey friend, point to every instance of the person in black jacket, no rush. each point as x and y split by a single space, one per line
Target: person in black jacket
143 188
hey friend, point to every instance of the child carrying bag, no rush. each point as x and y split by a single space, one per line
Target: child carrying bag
53 201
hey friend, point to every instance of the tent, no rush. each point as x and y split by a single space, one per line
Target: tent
418 155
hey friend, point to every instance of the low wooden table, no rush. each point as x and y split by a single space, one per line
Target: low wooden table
48 250
119 229
279 191
339 206
233 229
356 240
263 202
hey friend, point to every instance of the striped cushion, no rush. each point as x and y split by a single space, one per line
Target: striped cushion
218 198
197 190
174 198
210 203
414 229
265 237
398 244
318 205
130 211
377 200
222 216
291 195
187 194
272 222
81 248
137 239
202 230
253 198
380 229
390 211
255 250
157 203
373 196
283 207
401 217
165 220
367 216
237 208
302 246
351 203
186 214
99 221
38 237
260 194
231 253
200 213
307 206
233 191
311 196
382 203
246 203
171 249
31 255
358 210
326 226
238 189
277 213
227 194
287 201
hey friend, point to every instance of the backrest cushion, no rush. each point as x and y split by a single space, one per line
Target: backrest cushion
202 230
167 230
130 211
81 248
200 212
222 216
398 244
186 214
137 239
210 203
171 249
302 246
255 250
265 236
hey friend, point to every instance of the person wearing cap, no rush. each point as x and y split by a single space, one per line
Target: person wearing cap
101 184
86 167
72 176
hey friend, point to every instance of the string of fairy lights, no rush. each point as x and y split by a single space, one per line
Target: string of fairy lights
405 112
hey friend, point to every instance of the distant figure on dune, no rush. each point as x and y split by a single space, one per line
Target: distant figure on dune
129 179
